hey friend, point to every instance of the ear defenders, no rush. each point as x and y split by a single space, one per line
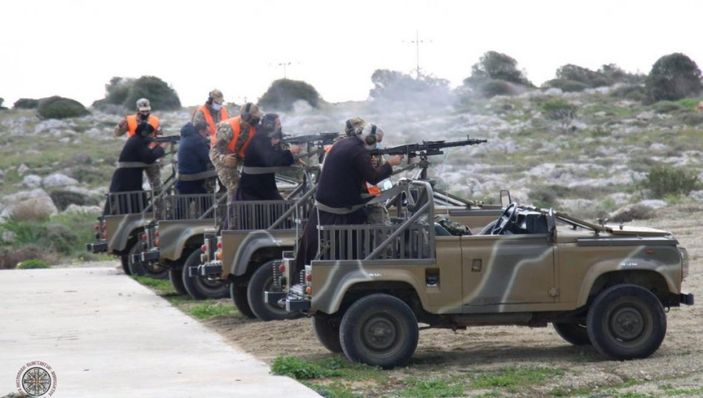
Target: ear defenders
372 138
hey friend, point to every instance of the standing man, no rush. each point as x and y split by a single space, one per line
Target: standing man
229 145
263 158
129 125
339 199
212 112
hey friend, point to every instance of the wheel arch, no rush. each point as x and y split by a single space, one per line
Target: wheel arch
648 279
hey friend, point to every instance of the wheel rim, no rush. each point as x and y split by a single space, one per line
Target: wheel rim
379 333
272 307
627 324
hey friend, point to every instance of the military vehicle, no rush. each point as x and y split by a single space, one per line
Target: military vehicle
371 285
127 213
246 256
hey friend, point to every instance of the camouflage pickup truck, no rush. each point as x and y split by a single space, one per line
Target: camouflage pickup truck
117 231
371 285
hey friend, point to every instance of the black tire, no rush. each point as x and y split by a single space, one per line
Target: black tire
327 331
238 294
626 322
175 275
135 268
574 333
261 280
124 259
379 330
201 288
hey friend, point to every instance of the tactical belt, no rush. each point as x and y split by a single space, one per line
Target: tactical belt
265 170
385 195
203 175
132 165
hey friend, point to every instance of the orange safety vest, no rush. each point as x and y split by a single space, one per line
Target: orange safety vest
224 115
235 123
132 123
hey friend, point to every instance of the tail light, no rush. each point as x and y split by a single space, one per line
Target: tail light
308 280
219 244
156 233
203 248
103 229
142 236
218 252
281 268
218 256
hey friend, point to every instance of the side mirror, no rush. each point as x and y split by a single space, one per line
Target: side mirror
505 198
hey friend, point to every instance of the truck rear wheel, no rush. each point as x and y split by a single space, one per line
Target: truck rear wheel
238 293
379 330
124 259
135 268
574 333
327 331
201 288
626 322
261 281
175 275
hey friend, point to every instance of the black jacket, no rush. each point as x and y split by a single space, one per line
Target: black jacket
346 170
260 153
193 158
136 149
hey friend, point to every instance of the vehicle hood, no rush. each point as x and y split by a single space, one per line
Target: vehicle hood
637 231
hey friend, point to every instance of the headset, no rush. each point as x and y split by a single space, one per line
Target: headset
372 138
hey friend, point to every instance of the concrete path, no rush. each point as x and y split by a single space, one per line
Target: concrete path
105 335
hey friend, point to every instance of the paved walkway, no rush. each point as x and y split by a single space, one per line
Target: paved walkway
105 335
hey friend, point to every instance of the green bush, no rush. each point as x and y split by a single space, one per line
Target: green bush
26 103
673 77
567 86
496 66
668 180
492 88
559 110
32 264
117 90
284 92
59 108
301 369
667 107
11 256
632 92
62 199
161 96
544 196
692 119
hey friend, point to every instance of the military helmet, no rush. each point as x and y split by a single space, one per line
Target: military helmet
216 96
250 111
143 104
354 126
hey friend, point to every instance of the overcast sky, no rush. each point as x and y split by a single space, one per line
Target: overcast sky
73 47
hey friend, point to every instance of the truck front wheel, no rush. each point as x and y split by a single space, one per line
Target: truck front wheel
626 322
327 331
379 330
261 281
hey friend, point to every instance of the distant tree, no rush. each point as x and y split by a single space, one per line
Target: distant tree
496 66
673 77
583 75
26 103
398 86
117 90
125 91
59 108
1 101
283 93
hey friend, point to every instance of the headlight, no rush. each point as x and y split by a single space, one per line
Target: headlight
684 263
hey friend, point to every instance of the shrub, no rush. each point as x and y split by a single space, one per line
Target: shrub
62 199
59 108
10 257
692 119
559 110
567 86
300 369
544 196
496 66
60 238
117 90
673 77
284 92
161 96
33 263
26 103
667 107
669 180
1 101
492 88
634 92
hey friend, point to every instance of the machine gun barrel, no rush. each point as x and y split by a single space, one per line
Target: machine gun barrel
320 138
171 139
426 148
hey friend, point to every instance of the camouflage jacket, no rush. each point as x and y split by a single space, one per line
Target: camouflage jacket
223 137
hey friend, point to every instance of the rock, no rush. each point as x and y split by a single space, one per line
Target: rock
29 205
76 209
58 180
632 212
50 125
63 198
696 195
22 169
31 181
653 203
647 115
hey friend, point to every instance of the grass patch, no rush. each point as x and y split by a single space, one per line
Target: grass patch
683 391
162 286
512 378
33 264
431 388
212 309
332 390
301 369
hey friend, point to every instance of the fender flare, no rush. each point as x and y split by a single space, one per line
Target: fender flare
127 226
253 242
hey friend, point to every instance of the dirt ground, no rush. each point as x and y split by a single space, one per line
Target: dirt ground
676 369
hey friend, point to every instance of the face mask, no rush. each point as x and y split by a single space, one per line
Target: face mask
143 116
254 121
216 106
